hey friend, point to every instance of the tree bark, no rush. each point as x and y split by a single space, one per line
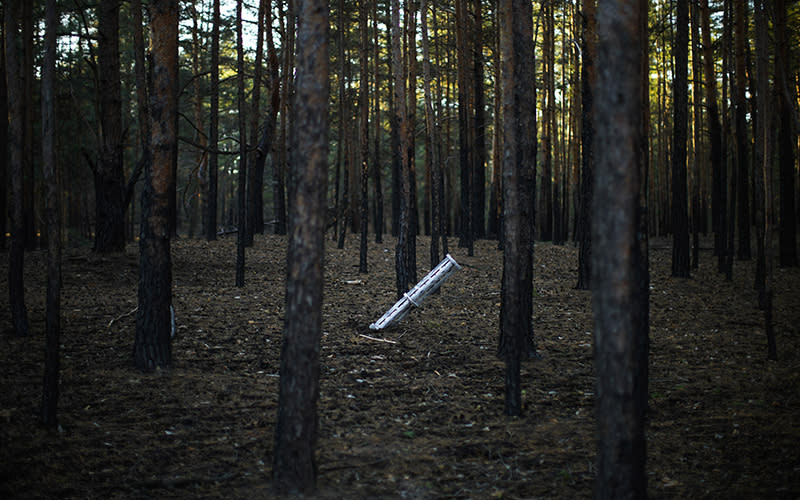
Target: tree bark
680 90
519 168
16 288
786 142
153 348
53 221
213 131
742 157
363 131
588 43
294 463
618 297
404 268
255 172
241 188
109 176
376 117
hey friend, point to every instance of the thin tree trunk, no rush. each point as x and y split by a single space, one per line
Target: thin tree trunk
153 348
742 157
213 133
433 140
587 139
617 293
786 141
697 137
16 288
109 175
680 89
377 167
53 221
519 182
28 179
294 464
241 234
255 172
405 273
364 132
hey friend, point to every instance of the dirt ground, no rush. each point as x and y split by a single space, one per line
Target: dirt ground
416 411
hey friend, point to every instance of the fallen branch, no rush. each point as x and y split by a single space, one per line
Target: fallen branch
376 339
122 316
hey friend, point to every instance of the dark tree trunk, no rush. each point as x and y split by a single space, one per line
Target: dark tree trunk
376 117
213 132
548 134
680 91
718 177
279 171
153 348
241 188
294 463
699 157
786 140
53 221
28 173
618 296
587 139
4 180
266 144
763 171
16 288
255 172
404 263
363 131
109 176
432 141
466 125
478 184
742 157
142 99
519 170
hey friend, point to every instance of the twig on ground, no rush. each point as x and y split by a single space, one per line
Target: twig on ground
377 339
113 320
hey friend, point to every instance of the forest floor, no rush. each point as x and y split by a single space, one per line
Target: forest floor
417 415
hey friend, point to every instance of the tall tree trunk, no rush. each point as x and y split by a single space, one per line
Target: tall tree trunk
200 135
266 146
377 167
279 171
28 179
548 133
241 189
363 134
742 157
618 296
153 347
495 194
142 100
478 182
52 218
519 183
213 133
699 157
406 273
341 202
680 90
588 44
109 175
786 141
718 177
466 131
294 464
432 139
4 181
255 172
53 221
16 288
764 170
